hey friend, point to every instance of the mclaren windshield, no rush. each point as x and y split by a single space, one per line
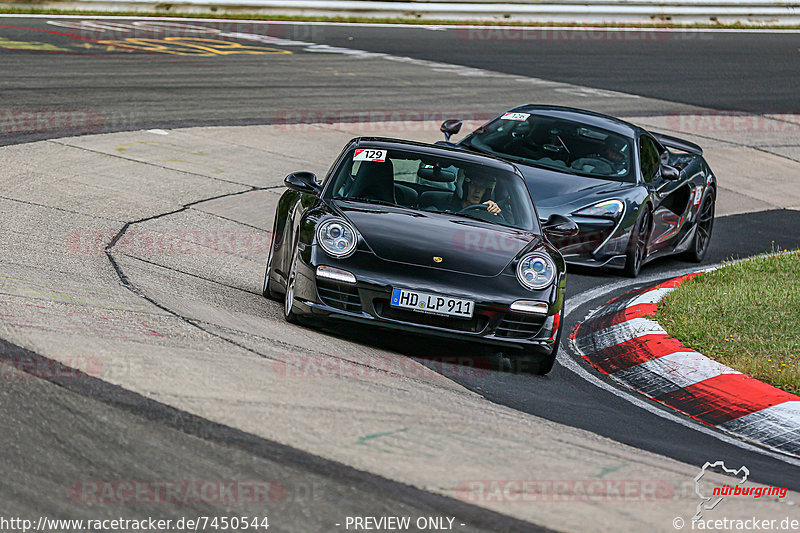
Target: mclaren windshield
557 144
423 182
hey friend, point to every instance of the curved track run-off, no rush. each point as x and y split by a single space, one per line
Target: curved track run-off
624 341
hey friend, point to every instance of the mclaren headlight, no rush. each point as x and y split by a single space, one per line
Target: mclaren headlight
606 209
337 237
536 271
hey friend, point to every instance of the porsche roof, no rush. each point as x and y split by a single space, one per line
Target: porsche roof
436 150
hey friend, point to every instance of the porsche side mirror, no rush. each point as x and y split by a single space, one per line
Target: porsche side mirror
670 173
305 182
560 226
450 127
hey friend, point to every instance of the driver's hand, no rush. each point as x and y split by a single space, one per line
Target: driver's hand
493 208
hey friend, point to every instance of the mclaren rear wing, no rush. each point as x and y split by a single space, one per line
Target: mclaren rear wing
679 144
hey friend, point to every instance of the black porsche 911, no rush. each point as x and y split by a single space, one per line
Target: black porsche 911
635 195
426 239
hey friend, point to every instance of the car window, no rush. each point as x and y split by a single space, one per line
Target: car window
558 144
405 170
649 158
421 182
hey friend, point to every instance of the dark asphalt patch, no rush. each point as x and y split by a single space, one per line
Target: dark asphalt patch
132 456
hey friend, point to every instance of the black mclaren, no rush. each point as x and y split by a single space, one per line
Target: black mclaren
635 195
425 239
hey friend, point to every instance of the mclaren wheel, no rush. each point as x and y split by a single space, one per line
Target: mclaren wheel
637 249
705 224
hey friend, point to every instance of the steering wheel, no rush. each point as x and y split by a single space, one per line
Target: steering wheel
475 207
482 211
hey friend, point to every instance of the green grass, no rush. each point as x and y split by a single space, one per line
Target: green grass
386 20
745 315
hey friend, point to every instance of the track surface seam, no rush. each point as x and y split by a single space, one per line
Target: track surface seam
34 204
148 163
201 324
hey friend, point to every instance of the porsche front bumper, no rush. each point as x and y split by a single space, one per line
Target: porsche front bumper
367 302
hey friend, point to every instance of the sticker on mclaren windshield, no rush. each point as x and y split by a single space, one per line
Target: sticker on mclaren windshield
377 156
516 116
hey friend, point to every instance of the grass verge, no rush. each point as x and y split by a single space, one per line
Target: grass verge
745 315
16 10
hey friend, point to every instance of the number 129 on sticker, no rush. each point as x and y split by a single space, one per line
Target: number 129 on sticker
521 117
377 156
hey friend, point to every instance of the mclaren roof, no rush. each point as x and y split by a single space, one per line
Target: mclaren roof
590 118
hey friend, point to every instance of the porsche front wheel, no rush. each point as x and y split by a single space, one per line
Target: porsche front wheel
288 297
267 291
535 363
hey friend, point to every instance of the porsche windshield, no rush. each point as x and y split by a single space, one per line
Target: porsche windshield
557 144
422 182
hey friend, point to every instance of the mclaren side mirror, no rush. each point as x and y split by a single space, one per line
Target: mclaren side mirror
670 173
450 127
305 182
560 226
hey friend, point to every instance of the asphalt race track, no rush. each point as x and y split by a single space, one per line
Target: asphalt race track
231 108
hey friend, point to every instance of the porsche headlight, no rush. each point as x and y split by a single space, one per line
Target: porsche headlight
536 271
607 209
337 237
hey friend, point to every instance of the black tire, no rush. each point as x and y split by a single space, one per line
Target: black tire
538 364
268 291
705 225
637 249
288 297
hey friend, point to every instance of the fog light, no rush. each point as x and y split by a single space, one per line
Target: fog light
527 306
335 274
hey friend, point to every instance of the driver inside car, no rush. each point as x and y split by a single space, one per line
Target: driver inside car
611 161
474 190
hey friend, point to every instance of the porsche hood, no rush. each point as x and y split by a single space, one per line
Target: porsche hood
437 240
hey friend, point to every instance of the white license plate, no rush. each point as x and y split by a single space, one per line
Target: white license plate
432 303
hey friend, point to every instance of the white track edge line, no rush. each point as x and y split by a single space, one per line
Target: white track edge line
632 397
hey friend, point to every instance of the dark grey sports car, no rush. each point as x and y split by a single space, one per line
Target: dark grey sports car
635 195
422 239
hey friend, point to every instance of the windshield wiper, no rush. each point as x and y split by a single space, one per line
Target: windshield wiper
368 201
478 148
505 155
